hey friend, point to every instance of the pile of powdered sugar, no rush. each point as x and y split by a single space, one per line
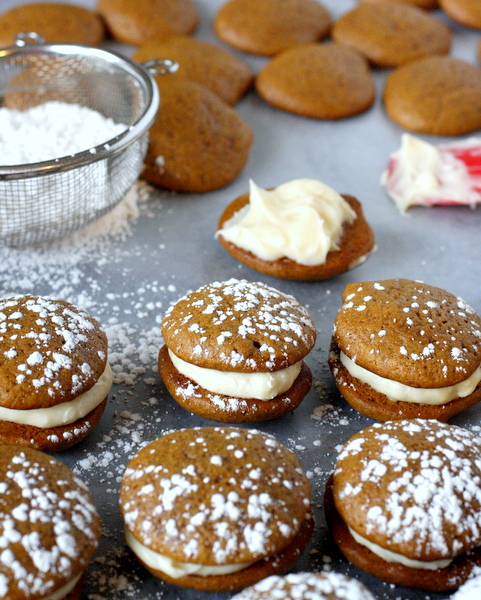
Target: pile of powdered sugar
52 130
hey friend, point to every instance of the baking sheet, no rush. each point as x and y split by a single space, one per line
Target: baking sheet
156 246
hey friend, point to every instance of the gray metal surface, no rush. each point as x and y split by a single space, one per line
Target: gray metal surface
128 280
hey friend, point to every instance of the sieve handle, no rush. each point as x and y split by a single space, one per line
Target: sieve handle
161 66
28 37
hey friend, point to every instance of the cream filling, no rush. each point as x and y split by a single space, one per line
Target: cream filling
302 220
261 386
65 413
64 590
405 393
394 557
176 569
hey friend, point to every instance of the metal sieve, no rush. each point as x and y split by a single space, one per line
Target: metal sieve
46 200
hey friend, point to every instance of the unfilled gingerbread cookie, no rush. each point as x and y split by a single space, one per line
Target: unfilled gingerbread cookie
49 526
54 374
425 4
437 95
301 230
234 351
216 508
466 12
143 21
405 349
271 26
54 21
392 34
323 81
217 69
404 502
197 142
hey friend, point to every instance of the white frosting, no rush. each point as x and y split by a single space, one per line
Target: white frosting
66 412
64 590
176 569
261 386
405 393
302 220
395 557
421 173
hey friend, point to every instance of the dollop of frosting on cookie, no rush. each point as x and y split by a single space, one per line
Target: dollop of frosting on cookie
301 220
262 385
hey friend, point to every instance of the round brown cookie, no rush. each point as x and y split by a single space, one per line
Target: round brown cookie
217 69
271 26
307 586
409 334
54 358
323 81
216 497
356 244
426 4
437 95
412 488
392 34
197 143
55 22
237 328
49 526
143 21
466 12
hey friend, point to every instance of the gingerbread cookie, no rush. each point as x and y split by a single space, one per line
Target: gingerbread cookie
301 230
392 34
404 349
54 21
426 4
234 352
404 502
437 95
49 526
271 26
323 81
197 143
54 375
217 69
144 21
216 508
307 586
466 12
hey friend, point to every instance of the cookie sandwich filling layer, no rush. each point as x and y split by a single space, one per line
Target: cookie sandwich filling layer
64 591
404 393
66 412
302 220
261 386
174 568
395 557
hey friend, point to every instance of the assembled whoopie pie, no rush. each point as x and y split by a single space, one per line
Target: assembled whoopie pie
216 508
301 230
403 349
306 586
49 527
404 503
234 351
54 375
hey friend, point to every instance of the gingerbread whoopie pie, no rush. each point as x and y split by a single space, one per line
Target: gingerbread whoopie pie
54 374
302 230
306 586
466 12
234 351
216 508
425 4
271 26
49 527
404 503
392 34
403 349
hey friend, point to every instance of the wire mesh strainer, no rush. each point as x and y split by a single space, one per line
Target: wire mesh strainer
46 200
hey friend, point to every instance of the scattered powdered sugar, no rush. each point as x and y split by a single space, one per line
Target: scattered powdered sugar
52 130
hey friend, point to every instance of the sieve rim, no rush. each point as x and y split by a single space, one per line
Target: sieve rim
107 148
